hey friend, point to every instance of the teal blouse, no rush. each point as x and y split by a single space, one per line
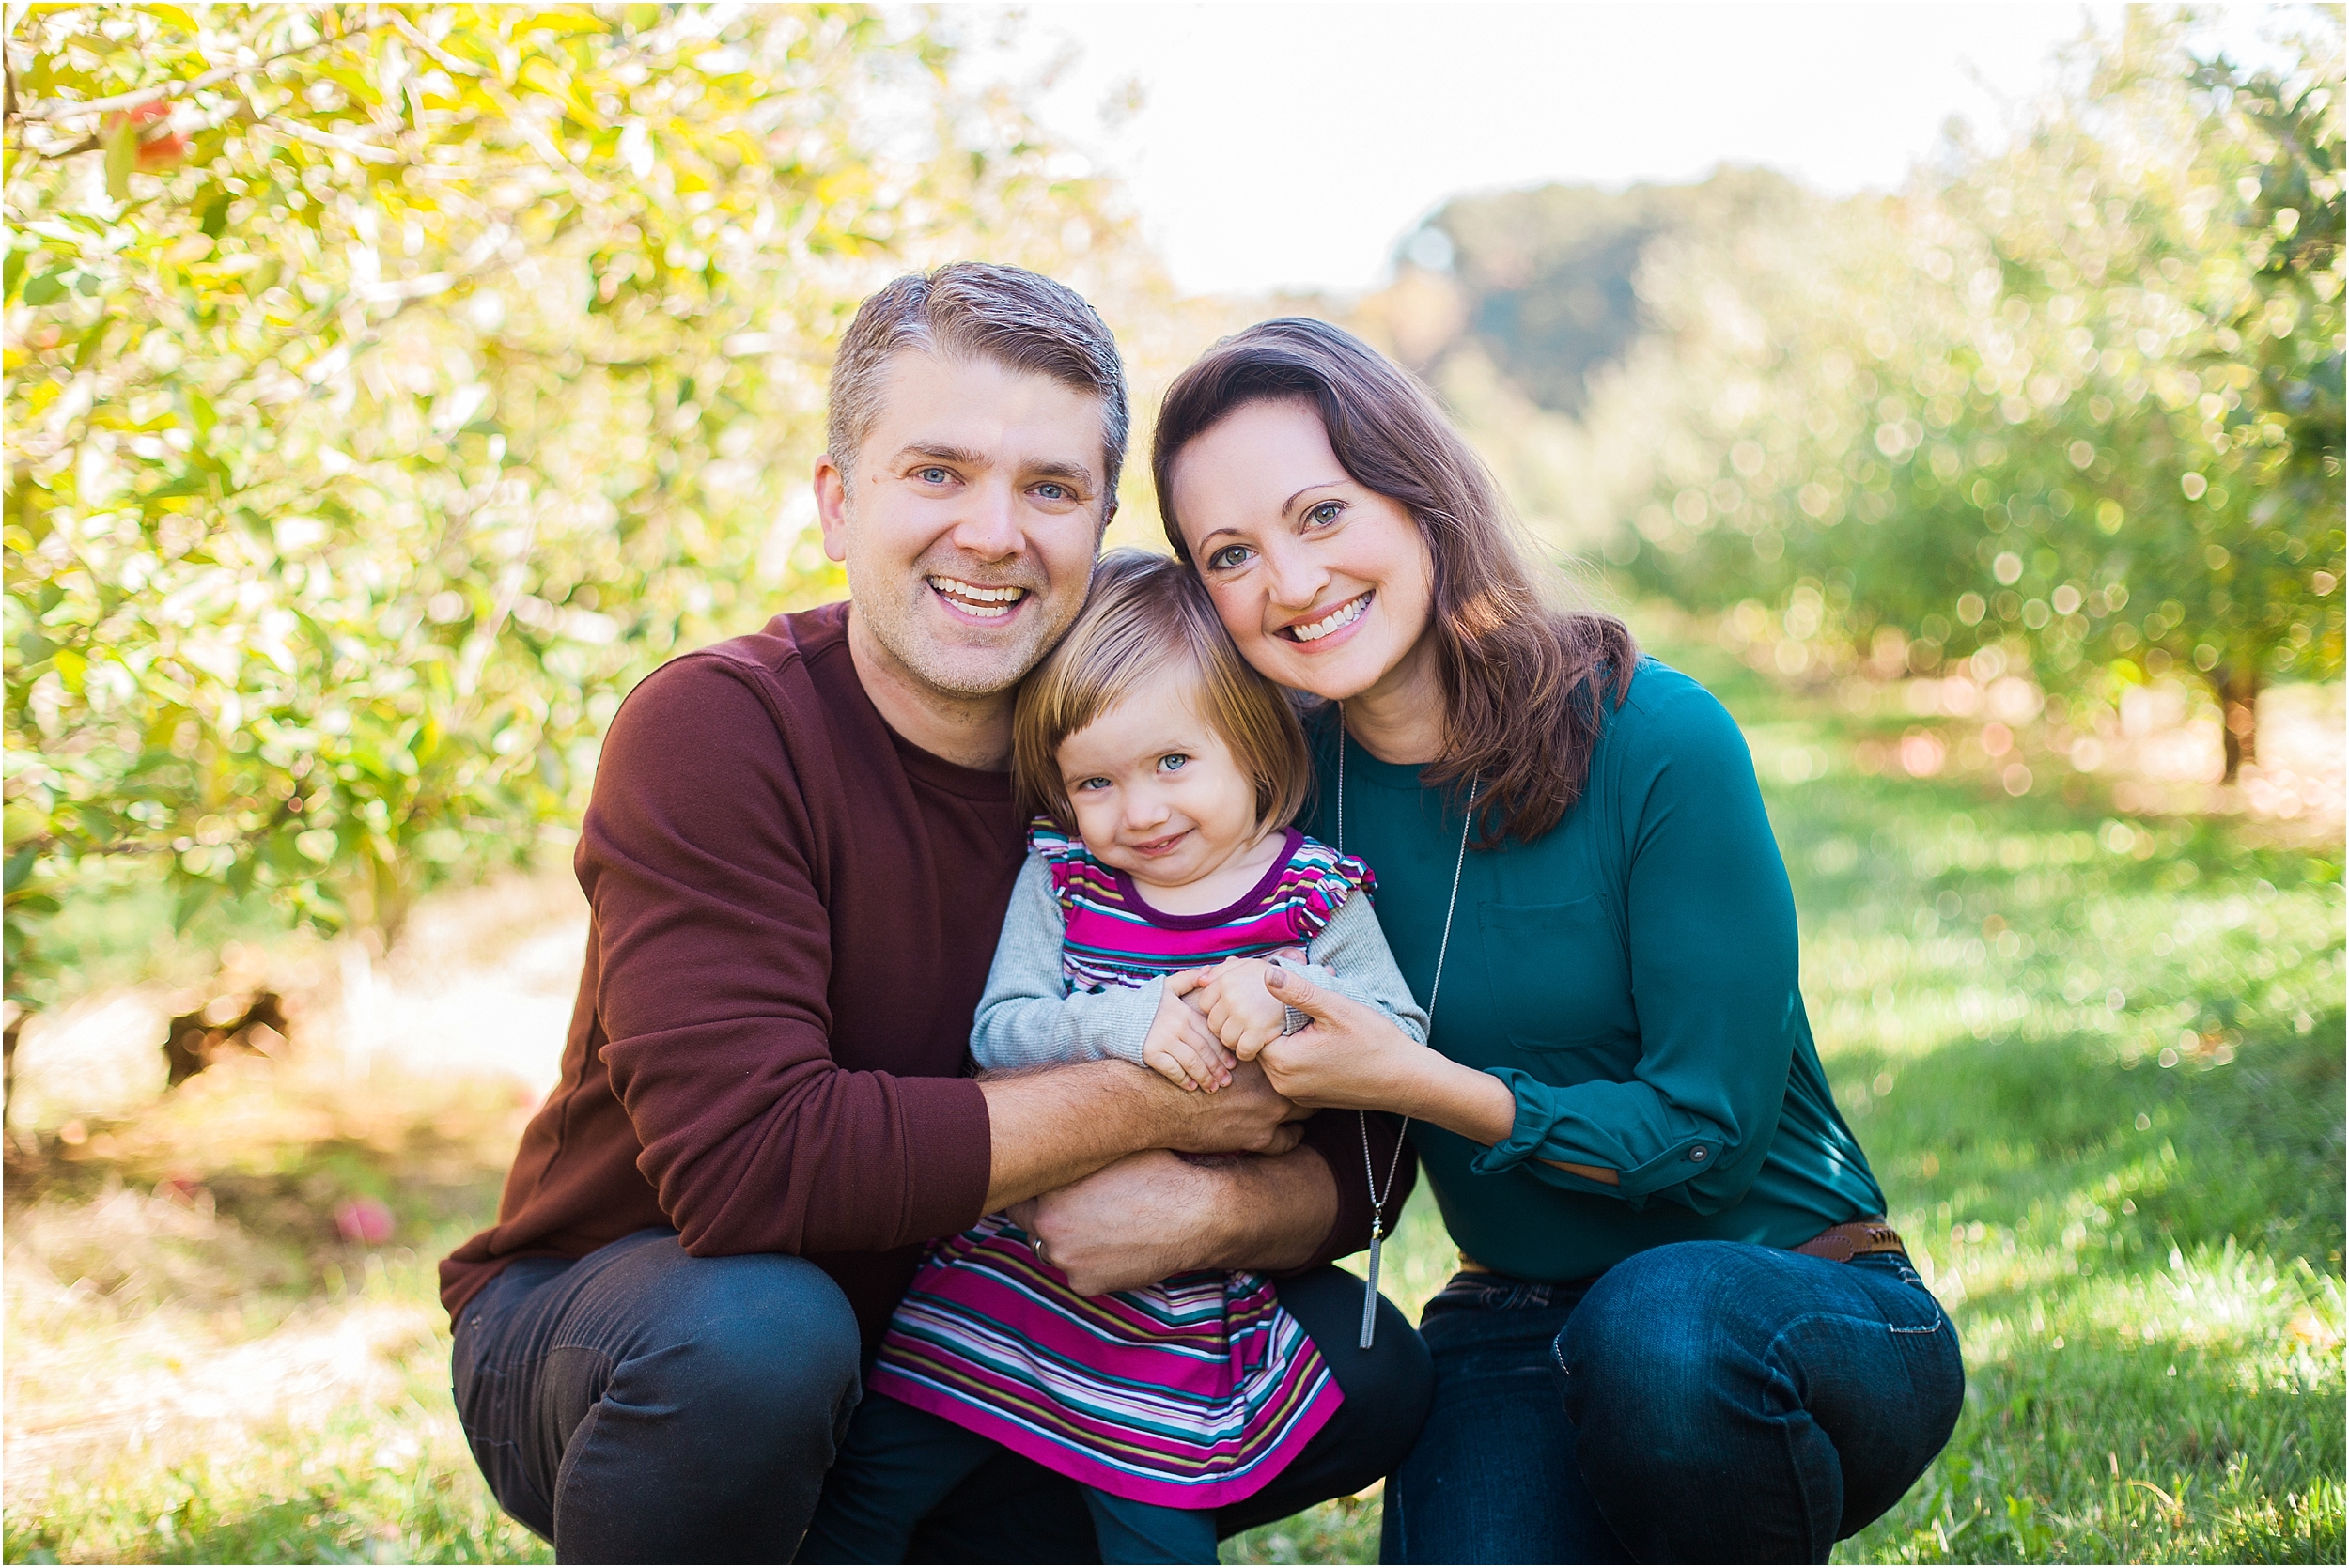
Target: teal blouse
1632 977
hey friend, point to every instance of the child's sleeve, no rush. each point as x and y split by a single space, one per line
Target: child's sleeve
1351 957
1028 1017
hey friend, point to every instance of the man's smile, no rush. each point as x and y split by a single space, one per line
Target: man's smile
976 599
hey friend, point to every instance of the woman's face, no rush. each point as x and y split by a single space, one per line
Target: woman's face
1323 583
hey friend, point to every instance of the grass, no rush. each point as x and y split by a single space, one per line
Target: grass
201 1369
2096 1059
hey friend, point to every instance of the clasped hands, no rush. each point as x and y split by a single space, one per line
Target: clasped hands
1210 1019
1345 1054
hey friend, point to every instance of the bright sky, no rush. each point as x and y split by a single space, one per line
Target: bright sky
1294 144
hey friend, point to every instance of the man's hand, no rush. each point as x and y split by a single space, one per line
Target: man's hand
1049 1126
1244 1014
1247 1118
1151 1215
1180 1047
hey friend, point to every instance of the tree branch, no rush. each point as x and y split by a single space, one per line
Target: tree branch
58 110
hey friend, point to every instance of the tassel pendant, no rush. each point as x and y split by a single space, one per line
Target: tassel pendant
1370 1293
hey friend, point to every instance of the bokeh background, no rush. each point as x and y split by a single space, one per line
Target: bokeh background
389 387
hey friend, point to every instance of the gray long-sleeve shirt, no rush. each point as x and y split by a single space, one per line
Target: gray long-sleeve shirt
1028 1017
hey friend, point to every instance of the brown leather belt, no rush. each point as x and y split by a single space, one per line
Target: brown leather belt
1853 1239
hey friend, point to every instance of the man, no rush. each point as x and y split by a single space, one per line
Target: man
798 854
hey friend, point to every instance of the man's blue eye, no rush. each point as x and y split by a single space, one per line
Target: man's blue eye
1052 492
931 475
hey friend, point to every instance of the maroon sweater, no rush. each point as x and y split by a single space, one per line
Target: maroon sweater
792 915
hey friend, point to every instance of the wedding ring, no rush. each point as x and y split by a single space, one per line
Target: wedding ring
1041 1256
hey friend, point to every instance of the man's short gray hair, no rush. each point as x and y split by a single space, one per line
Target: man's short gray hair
973 309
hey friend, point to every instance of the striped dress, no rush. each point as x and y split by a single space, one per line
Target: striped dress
1194 1392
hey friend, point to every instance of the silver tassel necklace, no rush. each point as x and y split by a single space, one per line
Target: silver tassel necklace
1370 1174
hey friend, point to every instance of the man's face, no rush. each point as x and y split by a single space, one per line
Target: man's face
971 520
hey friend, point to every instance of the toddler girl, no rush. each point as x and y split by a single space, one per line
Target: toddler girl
1168 771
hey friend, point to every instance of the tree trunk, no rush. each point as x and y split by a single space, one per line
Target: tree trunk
2239 716
192 1045
8 1058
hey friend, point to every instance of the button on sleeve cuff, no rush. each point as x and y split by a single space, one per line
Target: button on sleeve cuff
1552 1125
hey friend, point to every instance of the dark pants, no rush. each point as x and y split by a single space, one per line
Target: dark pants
900 1462
639 1405
1704 1402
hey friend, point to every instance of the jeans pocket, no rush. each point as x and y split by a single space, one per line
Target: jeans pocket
1913 1311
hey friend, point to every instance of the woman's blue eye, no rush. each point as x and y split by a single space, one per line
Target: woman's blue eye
1326 513
1228 557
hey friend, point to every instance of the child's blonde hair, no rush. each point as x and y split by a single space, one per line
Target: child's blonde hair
1142 613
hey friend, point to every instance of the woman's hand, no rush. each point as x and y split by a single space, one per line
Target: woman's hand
1354 1056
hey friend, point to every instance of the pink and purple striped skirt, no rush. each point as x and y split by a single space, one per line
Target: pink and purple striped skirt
1192 1393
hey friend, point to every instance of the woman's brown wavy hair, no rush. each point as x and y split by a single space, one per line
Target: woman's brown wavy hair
1526 686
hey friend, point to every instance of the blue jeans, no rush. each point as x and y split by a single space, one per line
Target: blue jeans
1703 1402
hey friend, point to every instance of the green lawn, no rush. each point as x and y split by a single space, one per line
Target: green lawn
2096 1061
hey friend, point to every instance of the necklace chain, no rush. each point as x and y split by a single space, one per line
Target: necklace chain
1443 949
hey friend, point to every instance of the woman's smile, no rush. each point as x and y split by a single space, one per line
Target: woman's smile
1329 625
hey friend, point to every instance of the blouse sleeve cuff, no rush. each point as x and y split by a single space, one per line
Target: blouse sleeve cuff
1535 1116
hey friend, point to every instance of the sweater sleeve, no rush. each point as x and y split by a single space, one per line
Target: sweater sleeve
1352 958
1711 936
699 856
1028 1017
1338 1138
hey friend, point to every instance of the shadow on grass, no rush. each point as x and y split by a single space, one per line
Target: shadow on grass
287 1173
2035 1133
2152 1314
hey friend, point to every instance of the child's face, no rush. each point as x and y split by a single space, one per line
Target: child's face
1157 792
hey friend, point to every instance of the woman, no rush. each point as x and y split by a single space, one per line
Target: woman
1681 1331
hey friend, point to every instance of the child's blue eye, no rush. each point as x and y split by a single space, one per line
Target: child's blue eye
1093 783
1172 761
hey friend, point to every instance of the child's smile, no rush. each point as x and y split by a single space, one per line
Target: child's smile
1159 794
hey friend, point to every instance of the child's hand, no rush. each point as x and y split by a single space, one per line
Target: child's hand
1180 1048
1244 1014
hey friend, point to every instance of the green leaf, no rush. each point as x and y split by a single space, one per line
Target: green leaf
193 895
122 143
